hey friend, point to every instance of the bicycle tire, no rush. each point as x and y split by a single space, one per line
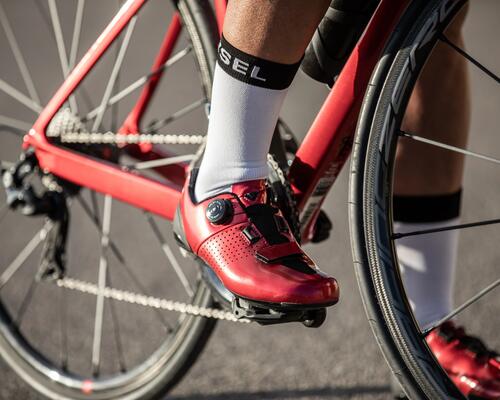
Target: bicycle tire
370 201
160 377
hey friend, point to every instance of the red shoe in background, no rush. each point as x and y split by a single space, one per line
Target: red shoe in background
247 242
474 369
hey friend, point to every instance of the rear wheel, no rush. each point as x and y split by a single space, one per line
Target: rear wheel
62 328
373 167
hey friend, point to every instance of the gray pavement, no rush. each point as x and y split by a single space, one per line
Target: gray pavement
341 360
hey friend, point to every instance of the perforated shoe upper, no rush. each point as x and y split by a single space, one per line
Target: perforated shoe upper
249 245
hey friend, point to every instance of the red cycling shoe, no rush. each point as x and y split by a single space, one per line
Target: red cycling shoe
474 369
247 242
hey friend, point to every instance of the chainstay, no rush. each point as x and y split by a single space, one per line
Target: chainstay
147 301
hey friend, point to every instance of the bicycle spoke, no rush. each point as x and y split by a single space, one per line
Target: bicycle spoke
449 147
24 254
115 107
63 326
396 236
170 255
20 97
46 20
76 33
103 266
56 26
121 259
162 162
189 108
116 329
18 56
114 74
468 303
140 82
28 297
95 207
61 48
467 56
15 123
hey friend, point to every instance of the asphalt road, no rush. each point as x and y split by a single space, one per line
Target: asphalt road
341 360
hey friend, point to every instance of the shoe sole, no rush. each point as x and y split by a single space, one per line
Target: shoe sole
182 242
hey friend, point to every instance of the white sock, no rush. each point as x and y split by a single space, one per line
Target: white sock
247 96
427 263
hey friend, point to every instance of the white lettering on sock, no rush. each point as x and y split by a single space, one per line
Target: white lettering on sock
224 55
255 74
240 66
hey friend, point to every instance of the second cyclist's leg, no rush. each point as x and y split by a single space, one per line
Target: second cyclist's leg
428 191
428 179
225 216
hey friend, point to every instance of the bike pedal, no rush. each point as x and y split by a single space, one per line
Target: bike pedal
269 316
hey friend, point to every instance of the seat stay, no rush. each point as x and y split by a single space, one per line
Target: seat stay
118 182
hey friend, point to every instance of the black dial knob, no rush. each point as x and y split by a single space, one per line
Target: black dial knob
219 211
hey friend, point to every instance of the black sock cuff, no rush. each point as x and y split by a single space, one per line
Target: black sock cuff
253 70
418 209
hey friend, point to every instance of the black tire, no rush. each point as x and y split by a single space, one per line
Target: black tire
370 210
173 359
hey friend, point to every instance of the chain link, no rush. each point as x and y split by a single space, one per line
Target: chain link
117 138
147 301
69 129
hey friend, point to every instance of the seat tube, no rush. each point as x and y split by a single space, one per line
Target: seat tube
132 122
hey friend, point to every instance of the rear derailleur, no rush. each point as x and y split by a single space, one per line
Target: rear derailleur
50 200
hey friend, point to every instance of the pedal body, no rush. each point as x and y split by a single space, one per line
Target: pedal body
264 314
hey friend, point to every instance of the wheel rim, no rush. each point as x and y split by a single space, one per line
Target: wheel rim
381 230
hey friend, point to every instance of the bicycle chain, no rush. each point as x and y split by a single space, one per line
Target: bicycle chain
147 301
69 129
159 303
118 138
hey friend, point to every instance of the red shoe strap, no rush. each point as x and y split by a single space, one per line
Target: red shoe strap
276 252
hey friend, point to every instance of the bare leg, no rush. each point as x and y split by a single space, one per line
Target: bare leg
259 55
229 218
276 30
438 109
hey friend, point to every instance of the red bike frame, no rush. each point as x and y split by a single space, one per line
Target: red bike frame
318 161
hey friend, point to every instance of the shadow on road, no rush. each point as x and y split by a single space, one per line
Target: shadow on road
326 392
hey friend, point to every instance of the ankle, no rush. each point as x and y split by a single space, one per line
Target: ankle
213 180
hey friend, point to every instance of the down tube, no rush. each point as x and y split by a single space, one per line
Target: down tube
328 143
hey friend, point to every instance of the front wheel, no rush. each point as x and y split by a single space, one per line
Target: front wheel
423 26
